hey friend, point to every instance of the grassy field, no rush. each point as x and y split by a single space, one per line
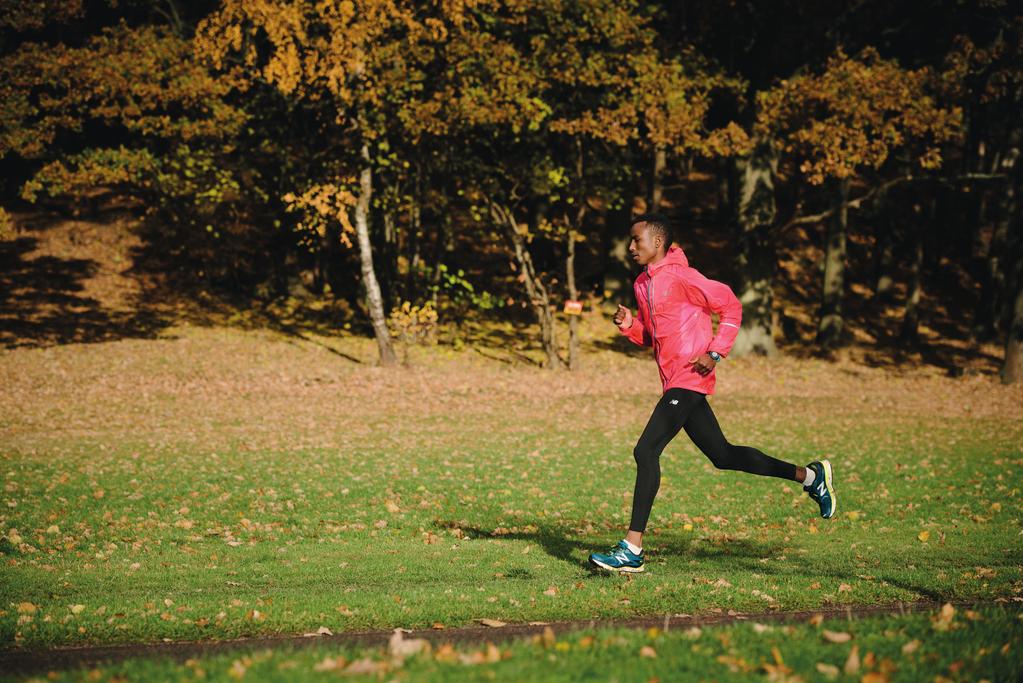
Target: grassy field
944 646
215 483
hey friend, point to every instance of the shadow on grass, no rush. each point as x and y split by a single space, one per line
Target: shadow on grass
733 555
42 304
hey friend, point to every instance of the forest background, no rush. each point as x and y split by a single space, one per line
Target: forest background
400 169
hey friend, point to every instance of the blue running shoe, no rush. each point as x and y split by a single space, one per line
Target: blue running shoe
822 490
618 559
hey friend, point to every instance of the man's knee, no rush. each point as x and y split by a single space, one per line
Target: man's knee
722 458
645 456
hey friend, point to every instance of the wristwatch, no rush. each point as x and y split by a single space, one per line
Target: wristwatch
714 356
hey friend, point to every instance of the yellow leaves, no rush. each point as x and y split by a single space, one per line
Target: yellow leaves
648 652
27 608
492 623
836 636
323 203
76 609
414 324
551 591
923 536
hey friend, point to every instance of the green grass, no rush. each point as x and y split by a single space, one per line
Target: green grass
968 645
249 505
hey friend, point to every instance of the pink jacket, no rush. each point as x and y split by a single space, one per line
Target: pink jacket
675 303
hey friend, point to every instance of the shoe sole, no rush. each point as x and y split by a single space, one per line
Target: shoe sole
829 485
619 570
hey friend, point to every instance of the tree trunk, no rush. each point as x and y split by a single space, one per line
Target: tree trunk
374 300
573 294
911 316
657 178
539 299
414 234
755 259
1012 367
831 325
885 287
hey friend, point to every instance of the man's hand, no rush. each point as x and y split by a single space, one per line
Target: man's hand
623 317
703 364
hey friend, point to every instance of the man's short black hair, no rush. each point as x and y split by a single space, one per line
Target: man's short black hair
659 223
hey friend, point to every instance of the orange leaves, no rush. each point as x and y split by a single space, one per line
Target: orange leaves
855 114
321 204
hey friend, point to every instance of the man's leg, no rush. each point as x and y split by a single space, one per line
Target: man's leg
817 477
666 421
702 427
668 417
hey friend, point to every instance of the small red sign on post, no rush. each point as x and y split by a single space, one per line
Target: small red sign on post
573 307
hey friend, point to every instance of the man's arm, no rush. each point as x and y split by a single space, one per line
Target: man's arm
632 327
719 298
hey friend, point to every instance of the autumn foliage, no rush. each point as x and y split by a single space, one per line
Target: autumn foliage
268 140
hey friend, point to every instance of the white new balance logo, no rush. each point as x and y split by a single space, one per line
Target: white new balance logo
674 402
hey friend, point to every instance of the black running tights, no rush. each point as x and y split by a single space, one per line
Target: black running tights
682 408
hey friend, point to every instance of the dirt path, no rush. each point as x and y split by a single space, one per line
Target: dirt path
37 660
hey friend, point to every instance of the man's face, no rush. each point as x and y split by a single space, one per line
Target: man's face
645 244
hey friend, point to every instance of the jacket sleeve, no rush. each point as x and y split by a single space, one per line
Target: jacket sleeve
637 334
719 298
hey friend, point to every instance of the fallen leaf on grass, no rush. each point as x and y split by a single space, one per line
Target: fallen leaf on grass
852 664
817 619
829 671
923 536
647 651
363 666
874 677
321 631
844 588
942 621
76 609
911 647
400 648
446 653
330 664
489 655
552 591
492 623
836 636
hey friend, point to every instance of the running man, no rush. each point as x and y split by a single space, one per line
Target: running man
675 302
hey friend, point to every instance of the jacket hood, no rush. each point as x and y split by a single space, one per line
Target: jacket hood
675 256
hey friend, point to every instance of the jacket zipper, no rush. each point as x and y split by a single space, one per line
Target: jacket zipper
650 306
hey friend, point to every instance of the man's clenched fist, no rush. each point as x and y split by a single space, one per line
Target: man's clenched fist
623 317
